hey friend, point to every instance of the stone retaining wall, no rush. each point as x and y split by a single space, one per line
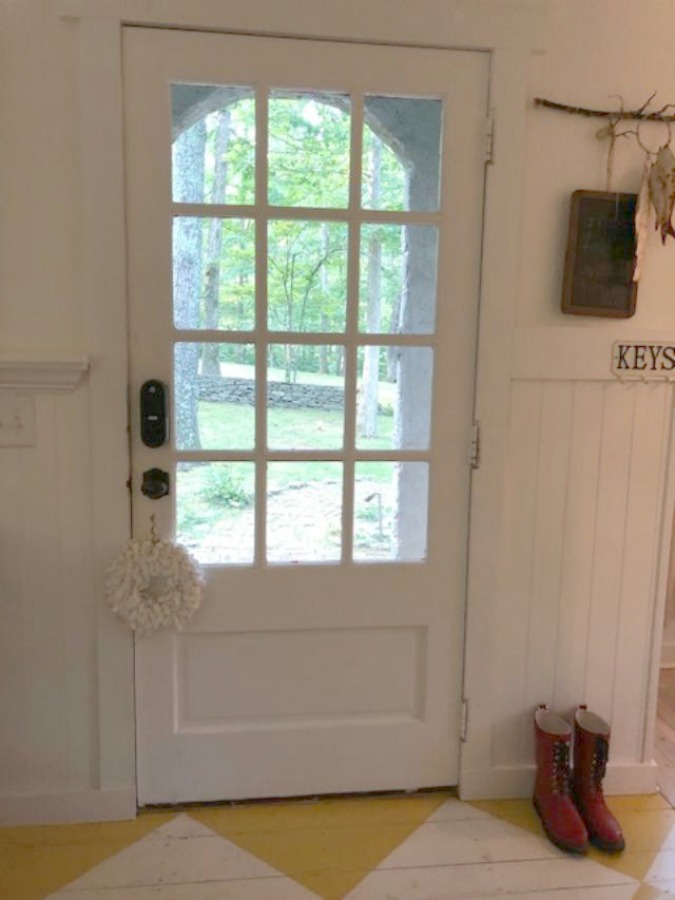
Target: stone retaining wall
280 393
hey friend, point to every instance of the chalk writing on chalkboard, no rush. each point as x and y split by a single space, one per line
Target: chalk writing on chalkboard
600 256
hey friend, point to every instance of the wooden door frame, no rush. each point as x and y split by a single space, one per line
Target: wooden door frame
510 31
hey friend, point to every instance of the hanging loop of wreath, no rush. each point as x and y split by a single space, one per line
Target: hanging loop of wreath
154 584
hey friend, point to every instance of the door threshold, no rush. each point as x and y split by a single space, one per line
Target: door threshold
302 798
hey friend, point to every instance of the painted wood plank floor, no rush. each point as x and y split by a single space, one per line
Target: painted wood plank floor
422 847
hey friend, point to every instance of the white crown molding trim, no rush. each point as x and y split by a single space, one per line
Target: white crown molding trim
467 24
50 375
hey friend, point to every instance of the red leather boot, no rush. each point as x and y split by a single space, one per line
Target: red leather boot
591 750
552 798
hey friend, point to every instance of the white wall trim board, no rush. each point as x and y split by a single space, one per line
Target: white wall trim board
513 782
573 352
103 268
475 24
504 191
42 373
69 806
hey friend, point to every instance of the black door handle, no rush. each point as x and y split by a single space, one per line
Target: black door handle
155 484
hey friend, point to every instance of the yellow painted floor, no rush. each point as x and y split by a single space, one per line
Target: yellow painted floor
422 847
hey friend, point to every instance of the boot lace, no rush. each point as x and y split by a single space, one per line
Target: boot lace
560 775
599 763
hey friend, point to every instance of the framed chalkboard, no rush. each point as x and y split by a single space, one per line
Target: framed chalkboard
600 256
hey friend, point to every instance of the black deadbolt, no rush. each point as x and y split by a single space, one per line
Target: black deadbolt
155 484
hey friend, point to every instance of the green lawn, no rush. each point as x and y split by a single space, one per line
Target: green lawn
208 491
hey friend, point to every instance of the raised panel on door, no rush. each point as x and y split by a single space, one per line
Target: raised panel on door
304 227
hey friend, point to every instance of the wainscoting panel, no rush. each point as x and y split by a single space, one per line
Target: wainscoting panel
582 516
47 640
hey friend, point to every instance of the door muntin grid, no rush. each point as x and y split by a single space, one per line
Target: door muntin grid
304 325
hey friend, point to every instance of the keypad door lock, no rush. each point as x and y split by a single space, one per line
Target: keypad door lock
154 429
155 484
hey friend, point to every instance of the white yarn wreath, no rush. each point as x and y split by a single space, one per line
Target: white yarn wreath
154 584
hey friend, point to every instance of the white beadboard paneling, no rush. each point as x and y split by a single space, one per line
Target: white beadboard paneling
511 612
549 521
579 534
632 658
608 545
583 494
46 650
79 597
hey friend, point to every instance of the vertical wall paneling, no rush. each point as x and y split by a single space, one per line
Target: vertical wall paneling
608 545
46 670
512 608
549 521
638 576
79 599
579 533
583 506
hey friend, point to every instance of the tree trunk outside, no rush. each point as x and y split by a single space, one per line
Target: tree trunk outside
371 355
210 352
188 184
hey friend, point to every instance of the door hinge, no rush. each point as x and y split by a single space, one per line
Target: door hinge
464 723
474 456
490 140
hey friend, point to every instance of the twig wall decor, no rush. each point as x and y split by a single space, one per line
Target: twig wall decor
614 117
656 198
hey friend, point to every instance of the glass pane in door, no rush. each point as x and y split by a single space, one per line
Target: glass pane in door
396 181
215 511
305 403
213 150
213 273
390 511
215 394
307 276
304 512
309 140
394 398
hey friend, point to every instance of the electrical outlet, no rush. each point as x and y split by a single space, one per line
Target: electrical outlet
17 419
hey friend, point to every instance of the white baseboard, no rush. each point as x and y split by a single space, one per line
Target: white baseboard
512 782
68 807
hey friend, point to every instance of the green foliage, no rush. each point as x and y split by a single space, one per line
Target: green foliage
223 486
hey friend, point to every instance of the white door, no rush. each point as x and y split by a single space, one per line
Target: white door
304 225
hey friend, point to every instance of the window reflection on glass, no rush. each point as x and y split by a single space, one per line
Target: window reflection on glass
390 511
214 404
393 408
213 273
309 138
213 153
307 276
304 512
215 511
397 290
305 400
391 181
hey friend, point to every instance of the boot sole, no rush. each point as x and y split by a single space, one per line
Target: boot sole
605 847
577 849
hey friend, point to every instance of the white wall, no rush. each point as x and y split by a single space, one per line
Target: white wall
584 470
